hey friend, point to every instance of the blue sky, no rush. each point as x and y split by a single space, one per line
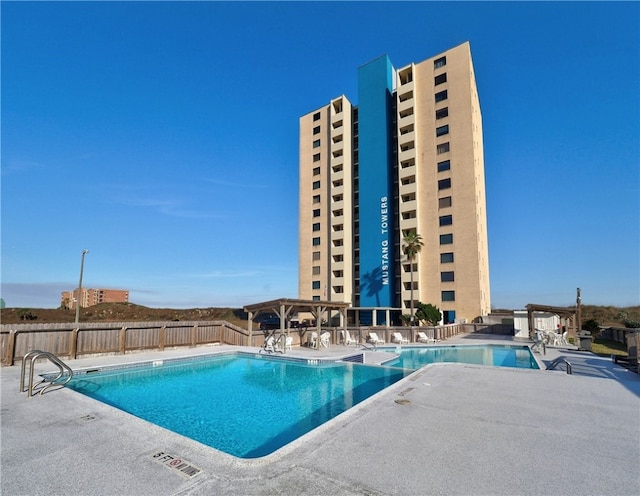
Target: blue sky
163 137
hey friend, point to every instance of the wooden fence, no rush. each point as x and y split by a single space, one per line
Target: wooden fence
73 341
76 340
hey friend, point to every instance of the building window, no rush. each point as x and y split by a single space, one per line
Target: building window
446 276
316 256
316 116
316 270
316 130
442 148
446 239
446 257
441 62
442 78
444 202
316 171
338 289
444 183
316 241
442 113
442 130
405 96
316 157
446 220
316 184
408 180
316 212
448 296
315 284
411 214
444 166
441 96
316 198
316 143
316 226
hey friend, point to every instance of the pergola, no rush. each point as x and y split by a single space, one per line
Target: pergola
571 316
284 307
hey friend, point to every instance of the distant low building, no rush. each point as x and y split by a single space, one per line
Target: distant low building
90 297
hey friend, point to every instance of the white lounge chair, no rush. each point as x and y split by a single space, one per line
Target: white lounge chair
538 342
288 343
373 337
346 338
325 339
397 338
423 338
270 344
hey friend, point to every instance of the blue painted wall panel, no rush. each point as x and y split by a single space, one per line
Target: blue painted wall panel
375 98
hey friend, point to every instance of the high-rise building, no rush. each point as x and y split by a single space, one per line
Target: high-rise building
408 158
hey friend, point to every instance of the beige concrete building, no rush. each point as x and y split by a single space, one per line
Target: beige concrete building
90 297
408 157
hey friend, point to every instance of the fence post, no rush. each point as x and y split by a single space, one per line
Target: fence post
73 345
194 329
163 337
122 340
10 352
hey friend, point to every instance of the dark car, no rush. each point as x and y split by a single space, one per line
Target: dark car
270 324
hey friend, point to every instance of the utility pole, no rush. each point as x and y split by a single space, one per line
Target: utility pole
578 312
84 252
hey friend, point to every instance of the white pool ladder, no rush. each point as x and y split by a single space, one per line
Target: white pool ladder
65 373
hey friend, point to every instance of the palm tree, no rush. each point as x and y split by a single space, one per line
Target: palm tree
412 246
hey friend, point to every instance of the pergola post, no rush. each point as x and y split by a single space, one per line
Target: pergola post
250 314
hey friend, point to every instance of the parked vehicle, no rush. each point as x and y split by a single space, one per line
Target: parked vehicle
270 324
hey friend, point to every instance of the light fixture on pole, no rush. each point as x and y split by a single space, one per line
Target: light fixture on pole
84 252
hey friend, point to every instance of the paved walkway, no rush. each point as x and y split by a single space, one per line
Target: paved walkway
460 429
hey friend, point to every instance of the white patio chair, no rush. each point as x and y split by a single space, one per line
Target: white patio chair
325 339
373 337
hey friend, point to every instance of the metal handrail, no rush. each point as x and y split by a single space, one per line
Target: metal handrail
32 356
558 361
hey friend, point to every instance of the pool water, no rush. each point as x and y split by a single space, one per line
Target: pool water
502 356
247 406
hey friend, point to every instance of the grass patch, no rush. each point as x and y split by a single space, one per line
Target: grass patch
607 347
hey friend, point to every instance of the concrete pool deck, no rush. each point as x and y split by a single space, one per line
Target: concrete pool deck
456 429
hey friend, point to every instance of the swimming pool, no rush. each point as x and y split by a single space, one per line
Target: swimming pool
245 405
498 355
